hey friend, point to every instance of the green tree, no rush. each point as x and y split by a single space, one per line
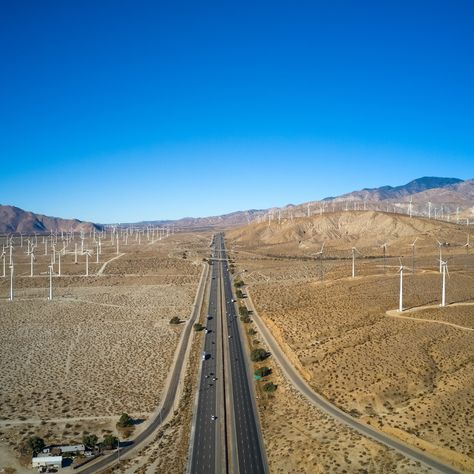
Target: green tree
124 421
238 283
263 371
258 354
269 387
109 442
89 440
243 311
175 320
198 327
239 294
252 332
34 445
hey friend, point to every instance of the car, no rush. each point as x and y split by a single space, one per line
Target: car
214 378
205 355
213 417
233 301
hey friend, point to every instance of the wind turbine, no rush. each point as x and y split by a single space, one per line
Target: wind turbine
429 210
50 297
443 292
467 245
321 270
440 245
354 250
11 282
32 259
3 257
413 255
384 246
410 207
87 252
400 300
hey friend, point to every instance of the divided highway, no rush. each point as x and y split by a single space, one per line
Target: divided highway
232 442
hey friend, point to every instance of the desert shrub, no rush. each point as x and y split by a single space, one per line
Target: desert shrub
198 327
124 421
243 311
263 371
258 354
175 320
109 442
239 294
238 283
269 387
245 319
34 445
89 440
252 332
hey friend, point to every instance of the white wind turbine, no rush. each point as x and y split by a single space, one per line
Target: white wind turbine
88 254
3 258
440 246
410 207
384 247
32 259
413 255
50 268
467 245
443 290
11 282
400 300
354 250
320 254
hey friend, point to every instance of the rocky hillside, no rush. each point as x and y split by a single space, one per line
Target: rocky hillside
14 219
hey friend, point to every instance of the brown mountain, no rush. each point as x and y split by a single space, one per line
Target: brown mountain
14 219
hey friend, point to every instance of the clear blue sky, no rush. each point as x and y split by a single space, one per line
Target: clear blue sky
131 110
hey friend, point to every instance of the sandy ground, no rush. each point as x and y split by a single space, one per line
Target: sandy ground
101 347
412 379
301 439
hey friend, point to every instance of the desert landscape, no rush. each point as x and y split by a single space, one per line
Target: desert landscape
101 347
409 374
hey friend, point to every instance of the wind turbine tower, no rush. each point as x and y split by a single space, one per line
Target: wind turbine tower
11 282
443 292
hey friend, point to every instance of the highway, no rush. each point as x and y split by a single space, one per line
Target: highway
176 373
207 431
236 430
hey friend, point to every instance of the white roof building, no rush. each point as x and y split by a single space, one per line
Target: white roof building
75 448
41 461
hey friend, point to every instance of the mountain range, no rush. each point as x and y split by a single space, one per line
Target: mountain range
451 193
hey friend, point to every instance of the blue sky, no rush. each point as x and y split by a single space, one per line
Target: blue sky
134 110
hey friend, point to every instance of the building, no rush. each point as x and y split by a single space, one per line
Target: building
74 449
47 461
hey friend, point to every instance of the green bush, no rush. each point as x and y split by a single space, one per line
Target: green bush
124 421
269 387
89 440
109 442
252 332
263 371
198 327
245 319
258 354
243 311
34 445
239 294
238 283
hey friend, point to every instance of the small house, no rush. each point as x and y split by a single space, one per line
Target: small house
47 461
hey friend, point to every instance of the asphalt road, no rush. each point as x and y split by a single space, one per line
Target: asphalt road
207 431
300 384
168 402
249 444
